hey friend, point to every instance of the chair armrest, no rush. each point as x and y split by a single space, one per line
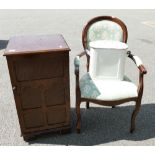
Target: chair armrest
138 62
142 71
77 65
77 62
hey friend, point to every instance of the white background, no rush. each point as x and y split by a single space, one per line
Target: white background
77 4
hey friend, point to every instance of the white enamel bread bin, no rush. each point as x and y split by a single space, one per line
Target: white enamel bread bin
107 59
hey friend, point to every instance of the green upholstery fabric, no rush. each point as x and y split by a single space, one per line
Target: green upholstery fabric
104 30
88 87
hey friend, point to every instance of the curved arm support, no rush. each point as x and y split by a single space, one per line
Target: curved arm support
142 71
138 62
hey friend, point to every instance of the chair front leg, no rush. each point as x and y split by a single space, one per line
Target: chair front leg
138 103
78 102
134 114
78 114
78 92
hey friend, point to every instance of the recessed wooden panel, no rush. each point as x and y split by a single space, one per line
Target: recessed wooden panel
56 114
55 92
35 67
34 118
31 95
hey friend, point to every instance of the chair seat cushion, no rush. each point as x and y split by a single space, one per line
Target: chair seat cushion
107 90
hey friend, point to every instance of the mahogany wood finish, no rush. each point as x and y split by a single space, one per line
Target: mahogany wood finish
141 68
39 72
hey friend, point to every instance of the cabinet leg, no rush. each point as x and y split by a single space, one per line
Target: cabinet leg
65 131
28 138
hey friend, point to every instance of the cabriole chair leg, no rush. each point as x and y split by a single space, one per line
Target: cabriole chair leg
134 114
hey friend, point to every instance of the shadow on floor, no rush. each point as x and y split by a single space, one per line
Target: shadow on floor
3 44
102 125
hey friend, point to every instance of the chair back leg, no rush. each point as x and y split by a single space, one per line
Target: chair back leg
87 105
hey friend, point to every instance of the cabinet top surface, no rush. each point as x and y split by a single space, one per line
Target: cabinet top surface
36 44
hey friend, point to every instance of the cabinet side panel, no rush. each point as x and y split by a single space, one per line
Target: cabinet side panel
67 87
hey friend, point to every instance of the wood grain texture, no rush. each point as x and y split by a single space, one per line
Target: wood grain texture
36 44
40 84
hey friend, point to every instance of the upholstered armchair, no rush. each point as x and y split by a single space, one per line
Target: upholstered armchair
105 92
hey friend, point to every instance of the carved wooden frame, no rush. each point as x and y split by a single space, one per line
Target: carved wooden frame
141 68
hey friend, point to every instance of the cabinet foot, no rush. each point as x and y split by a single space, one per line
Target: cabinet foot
29 138
78 131
65 131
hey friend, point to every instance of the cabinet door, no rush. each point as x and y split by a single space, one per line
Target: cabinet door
43 102
42 98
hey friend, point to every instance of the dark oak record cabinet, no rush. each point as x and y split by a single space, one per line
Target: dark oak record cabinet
39 73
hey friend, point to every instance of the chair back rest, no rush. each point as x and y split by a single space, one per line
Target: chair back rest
105 62
104 28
